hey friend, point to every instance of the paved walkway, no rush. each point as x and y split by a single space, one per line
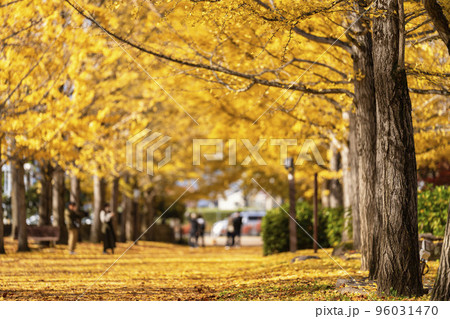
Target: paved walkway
246 241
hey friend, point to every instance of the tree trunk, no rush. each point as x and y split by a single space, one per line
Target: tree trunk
150 213
75 191
354 173
441 289
58 204
123 219
114 202
440 21
365 137
347 192
129 218
335 185
2 243
45 197
325 193
99 200
19 203
396 182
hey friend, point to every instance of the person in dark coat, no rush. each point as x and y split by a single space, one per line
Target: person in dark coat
237 225
201 230
109 237
230 233
193 234
72 218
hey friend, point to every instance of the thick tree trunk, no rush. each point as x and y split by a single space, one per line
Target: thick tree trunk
365 137
354 177
2 243
347 192
441 289
45 197
19 203
99 200
335 185
396 182
75 191
58 204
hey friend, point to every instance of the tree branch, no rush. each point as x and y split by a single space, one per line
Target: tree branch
439 20
215 68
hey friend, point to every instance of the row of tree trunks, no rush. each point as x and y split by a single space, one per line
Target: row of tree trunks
396 178
58 204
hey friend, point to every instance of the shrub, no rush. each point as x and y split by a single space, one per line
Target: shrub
432 204
334 224
275 228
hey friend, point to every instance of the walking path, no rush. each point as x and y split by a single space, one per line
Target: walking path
158 271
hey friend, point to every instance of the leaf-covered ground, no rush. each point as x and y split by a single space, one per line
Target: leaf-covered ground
157 271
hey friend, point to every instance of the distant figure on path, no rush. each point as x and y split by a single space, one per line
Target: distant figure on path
201 229
230 233
193 234
237 224
109 237
72 217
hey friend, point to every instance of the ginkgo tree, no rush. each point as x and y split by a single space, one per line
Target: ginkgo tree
267 54
103 71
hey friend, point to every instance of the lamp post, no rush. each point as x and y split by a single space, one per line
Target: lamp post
289 165
316 219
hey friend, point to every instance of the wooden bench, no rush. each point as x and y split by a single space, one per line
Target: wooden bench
42 233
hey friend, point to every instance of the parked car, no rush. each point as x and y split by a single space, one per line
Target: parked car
251 224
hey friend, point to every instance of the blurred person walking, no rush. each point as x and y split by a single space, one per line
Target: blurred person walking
237 225
193 233
109 237
201 230
230 233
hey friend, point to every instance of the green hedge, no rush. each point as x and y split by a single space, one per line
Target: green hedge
275 228
432 205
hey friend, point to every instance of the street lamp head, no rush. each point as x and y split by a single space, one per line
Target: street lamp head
289 163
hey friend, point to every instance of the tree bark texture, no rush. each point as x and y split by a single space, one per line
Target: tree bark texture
396 180
365 137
